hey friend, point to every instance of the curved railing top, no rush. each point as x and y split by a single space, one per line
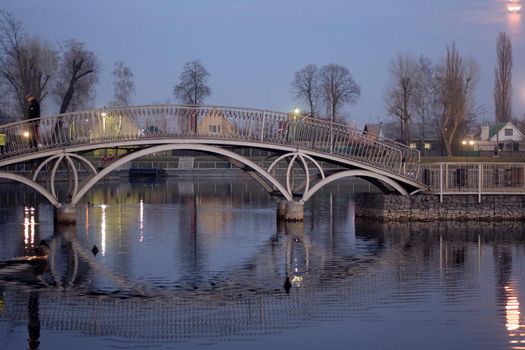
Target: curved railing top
209 122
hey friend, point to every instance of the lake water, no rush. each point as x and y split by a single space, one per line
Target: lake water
202 264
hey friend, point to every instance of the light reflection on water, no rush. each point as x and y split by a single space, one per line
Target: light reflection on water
203 264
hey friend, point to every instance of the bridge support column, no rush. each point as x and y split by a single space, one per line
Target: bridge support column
294 211
281 210
66 214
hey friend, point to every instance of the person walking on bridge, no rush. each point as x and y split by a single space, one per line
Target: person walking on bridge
33 115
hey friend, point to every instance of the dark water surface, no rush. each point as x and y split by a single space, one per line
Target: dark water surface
202 265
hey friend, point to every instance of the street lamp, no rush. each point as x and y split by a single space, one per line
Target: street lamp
104 115
470 148
465 148
296 113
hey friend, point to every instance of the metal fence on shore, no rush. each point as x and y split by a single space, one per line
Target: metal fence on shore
473 178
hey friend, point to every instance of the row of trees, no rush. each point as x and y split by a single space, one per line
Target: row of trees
29 64
331 86
441 95
64 77
432 95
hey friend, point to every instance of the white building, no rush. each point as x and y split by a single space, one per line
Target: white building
501 137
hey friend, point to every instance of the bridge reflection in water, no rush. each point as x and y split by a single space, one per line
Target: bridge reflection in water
214 270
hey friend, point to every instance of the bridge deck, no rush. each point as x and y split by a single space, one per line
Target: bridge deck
162 123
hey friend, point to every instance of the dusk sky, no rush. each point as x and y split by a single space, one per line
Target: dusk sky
253 48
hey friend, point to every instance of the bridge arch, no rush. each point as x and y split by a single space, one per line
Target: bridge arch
37 187
354 173
264 175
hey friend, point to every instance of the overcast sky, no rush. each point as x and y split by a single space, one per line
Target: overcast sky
252 48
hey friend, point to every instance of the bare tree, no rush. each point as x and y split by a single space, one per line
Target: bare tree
455 84
424 96
77 77
27 64
400 93
5 114
503 79
192 88
305 87
337 87
123 85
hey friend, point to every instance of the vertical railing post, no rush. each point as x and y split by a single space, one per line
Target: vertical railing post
521 178
262 126
445 170
480 180
250 126
440 182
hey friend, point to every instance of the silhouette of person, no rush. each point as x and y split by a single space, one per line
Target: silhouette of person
287 285
33 114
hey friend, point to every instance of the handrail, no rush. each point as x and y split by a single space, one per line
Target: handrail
483 178
209 122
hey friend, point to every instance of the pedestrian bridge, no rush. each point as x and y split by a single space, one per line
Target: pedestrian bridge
299 143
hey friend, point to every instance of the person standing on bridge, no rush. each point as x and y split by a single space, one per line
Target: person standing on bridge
33 114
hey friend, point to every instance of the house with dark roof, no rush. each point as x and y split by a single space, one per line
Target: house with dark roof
424 138
374 131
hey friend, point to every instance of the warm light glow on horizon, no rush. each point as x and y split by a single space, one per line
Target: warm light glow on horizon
514 22
514 6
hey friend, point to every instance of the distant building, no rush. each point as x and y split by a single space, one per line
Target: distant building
374 131
215 123
423 138
501 138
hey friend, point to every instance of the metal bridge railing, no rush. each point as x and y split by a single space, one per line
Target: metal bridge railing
220 123
473 178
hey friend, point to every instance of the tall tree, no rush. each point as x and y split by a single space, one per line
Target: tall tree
305 87
27 64
424 96
192 88
337 87
401 92
455 82
77 76
503 79
5 116
123 85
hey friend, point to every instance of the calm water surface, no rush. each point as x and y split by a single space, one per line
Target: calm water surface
202 265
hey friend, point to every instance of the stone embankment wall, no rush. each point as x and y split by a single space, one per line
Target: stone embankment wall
424 207
430 232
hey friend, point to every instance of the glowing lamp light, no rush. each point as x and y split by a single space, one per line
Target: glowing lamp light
296 113
26 134
514 6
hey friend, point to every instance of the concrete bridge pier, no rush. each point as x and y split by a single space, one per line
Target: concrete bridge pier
66 214
281 210
290 211
294 211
